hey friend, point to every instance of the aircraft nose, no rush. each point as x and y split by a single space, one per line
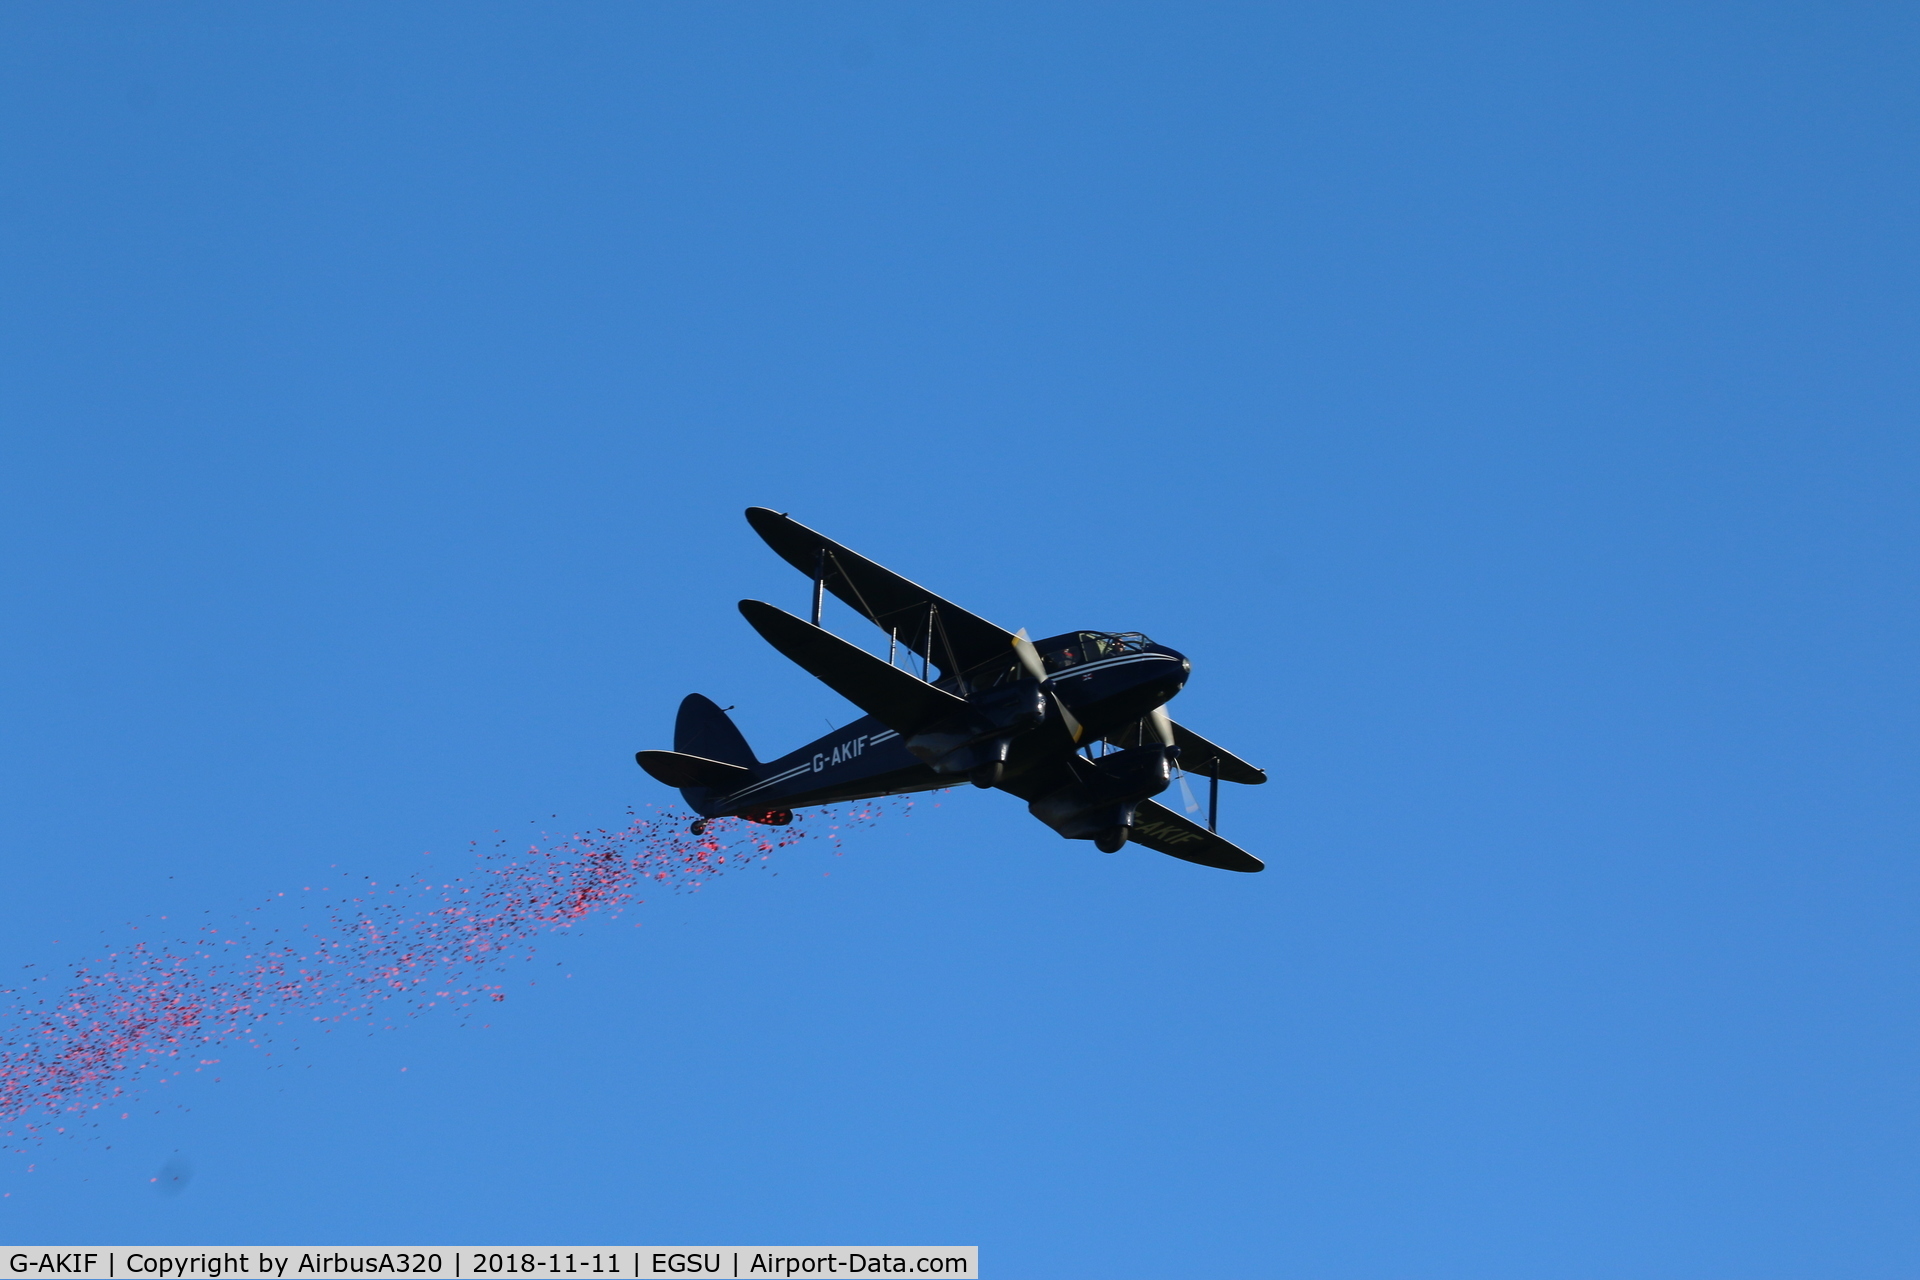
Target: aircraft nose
1186 667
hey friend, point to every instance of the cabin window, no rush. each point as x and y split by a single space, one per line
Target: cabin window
1059 657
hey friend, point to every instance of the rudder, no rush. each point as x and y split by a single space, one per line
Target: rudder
703 729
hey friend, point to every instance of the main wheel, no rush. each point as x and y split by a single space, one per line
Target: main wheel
987 775
1112 840
699 826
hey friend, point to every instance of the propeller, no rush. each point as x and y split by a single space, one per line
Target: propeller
1030 663
1163 728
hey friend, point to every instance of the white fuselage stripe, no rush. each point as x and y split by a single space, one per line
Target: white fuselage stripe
778 777
1106 663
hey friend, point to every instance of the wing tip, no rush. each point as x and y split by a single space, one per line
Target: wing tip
1245 864
768 523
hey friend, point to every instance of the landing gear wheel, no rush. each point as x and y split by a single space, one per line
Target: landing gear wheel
1112 840
699 826
987 775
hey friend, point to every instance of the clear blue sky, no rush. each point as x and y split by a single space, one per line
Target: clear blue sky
1510 408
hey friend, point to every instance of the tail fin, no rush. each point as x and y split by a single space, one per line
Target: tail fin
702 729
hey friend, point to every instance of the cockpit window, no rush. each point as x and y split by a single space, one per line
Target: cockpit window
1062 652
1110 644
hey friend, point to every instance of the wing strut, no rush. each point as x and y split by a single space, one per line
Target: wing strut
819 584
860 601
1213 796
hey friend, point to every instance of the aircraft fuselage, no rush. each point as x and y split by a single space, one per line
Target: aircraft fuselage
866 759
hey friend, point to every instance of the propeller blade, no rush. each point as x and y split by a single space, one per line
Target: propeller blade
1074 727
1029 656
1186 792
1162 725
1030 663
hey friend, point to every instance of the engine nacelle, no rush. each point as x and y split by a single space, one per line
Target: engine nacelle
980 736
1103 798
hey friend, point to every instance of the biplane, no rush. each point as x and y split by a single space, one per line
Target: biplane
1075 724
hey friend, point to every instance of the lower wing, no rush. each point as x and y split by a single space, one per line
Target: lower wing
1164 831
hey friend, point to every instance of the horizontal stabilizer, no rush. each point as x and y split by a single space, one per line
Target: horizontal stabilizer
677 769
898 699
1164 831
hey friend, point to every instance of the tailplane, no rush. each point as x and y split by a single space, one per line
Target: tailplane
710 757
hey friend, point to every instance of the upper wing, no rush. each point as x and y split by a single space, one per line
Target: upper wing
1197 755
926 624
1164 831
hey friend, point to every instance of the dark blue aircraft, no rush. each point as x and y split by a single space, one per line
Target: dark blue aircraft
1075 725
